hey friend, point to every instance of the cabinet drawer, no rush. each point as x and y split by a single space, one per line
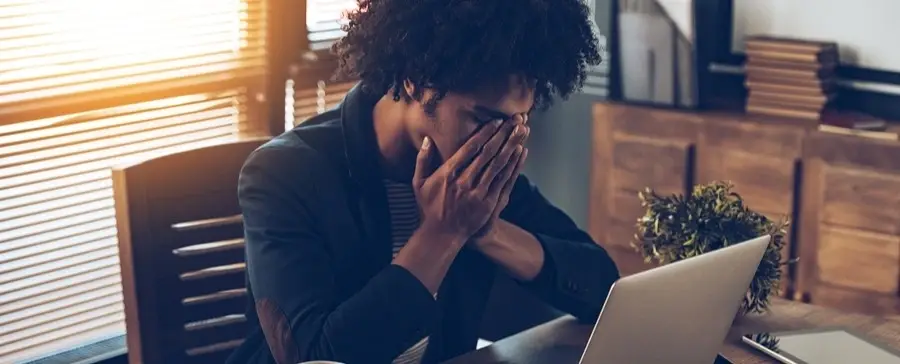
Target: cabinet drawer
765 183
850 300
861 199
639 163
859 260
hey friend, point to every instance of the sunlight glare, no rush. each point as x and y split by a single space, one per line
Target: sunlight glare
71 37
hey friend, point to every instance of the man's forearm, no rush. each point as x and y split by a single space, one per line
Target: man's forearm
428 255
514 249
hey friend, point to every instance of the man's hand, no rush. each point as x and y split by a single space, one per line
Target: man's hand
512 157
460 197
454 203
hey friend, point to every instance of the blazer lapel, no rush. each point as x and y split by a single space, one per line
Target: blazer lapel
360 148
377 225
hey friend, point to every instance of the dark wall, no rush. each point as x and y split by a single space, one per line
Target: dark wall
559 155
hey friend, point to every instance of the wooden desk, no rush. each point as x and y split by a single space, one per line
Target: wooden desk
561 341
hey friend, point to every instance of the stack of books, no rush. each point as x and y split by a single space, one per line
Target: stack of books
790 77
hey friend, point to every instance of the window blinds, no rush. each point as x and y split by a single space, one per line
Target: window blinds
311 90
86 85
324 19
304 103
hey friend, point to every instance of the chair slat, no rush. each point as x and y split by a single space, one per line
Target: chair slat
214 334
184 242
206 248
207 223
215 297
215 322
215 357
207 286
200 312
211 260
213 348
213 271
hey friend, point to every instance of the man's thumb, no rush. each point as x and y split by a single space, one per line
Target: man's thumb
423 162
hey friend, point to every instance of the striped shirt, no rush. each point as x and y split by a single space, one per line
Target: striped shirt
405 220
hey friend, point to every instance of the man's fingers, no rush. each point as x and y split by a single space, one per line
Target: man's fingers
423 163
507 173
464 156
491 170
522 119
485 156
501 191
511 180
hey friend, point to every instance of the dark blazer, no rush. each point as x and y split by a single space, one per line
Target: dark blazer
319 255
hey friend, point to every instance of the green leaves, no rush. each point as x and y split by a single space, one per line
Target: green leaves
767 340
712 217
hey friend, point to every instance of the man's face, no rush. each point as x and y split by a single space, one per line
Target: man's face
458 116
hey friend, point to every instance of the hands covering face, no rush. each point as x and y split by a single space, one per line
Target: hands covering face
465 195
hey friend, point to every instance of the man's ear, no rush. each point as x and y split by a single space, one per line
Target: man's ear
408 88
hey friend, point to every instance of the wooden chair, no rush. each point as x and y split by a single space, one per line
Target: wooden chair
849 231
181 253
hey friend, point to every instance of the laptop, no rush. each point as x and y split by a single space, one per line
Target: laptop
679 313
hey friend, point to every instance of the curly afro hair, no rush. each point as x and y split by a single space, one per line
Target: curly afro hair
460 45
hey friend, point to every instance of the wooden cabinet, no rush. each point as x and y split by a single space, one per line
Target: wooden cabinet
636 148
842 193
763 162
762 159
849 236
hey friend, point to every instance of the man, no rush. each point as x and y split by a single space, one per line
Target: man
373 231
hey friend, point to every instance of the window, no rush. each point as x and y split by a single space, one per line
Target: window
86 85
306 102
324 19
311 90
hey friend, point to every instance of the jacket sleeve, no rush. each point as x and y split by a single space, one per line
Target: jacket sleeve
577 273
294 283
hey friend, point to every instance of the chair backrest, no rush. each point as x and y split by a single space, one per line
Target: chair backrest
181 251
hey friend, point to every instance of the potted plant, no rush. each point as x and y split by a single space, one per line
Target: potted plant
713 216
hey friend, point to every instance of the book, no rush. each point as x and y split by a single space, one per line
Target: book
853 120
752 69
790 65
788 44
791 50
883 135
793 57
768 110
827 84
773 87
788 99
819 109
